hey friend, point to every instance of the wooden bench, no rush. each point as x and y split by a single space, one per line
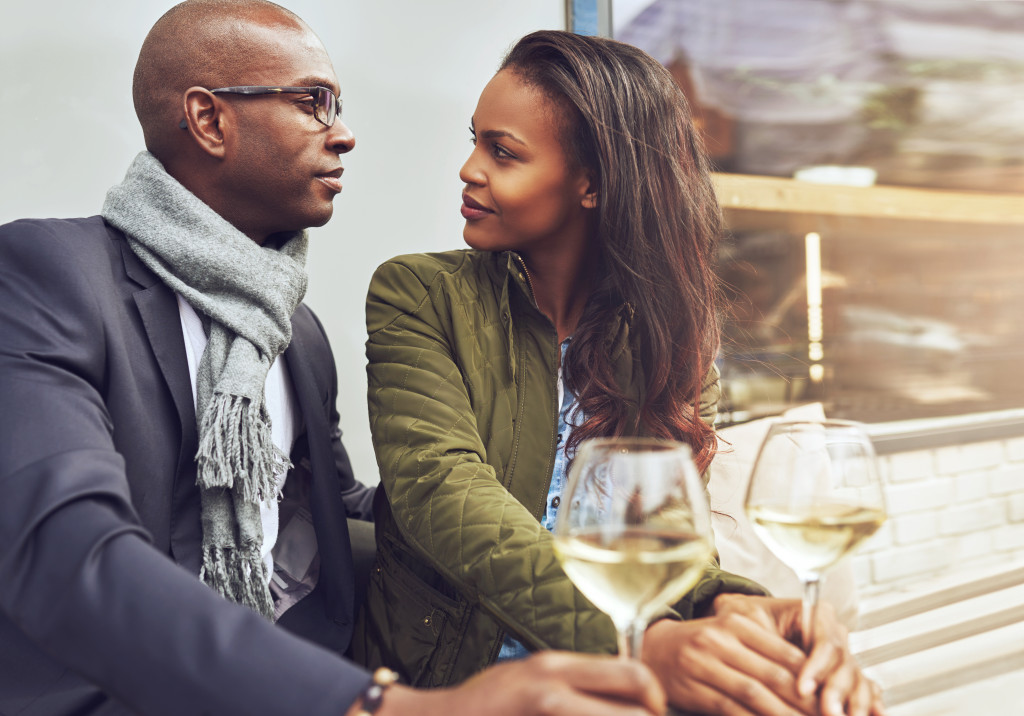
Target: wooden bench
955 647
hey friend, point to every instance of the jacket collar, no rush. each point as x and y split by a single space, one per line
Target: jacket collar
516 272
514 276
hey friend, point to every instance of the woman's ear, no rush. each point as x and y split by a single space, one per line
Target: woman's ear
588 189
205 120
589 200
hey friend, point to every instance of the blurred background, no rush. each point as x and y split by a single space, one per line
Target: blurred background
901 304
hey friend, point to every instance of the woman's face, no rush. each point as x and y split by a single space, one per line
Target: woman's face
522 192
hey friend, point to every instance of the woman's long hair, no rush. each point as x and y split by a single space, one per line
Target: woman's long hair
626 122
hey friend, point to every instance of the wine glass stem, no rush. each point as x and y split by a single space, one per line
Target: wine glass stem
809 612
631 639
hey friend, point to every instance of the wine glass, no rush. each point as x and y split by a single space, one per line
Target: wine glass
633 532
814 496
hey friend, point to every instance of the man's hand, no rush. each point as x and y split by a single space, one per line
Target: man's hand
544 684
744 660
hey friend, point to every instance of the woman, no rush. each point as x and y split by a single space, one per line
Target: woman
585 307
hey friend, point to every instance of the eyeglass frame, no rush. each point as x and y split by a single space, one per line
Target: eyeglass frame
257 90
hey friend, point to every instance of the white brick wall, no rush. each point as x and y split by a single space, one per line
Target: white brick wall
893 565
1015 507
909 466
952 508
914 528
1015 450
971 486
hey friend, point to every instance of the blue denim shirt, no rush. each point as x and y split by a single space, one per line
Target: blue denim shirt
511 648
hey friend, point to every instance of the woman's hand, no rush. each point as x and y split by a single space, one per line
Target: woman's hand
729 664
744 660
829 670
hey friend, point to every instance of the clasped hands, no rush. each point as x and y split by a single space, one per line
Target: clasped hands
744 659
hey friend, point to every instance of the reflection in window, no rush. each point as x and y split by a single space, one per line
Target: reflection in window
886 305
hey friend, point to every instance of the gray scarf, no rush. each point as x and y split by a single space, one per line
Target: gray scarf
248 294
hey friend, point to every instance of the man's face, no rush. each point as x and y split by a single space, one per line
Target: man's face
282 167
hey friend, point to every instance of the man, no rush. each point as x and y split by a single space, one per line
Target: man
163 386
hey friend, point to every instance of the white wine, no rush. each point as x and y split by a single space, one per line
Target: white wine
634 574
810 538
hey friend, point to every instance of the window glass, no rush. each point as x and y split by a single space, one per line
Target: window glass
870 158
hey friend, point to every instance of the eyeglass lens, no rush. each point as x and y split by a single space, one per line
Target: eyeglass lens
326 106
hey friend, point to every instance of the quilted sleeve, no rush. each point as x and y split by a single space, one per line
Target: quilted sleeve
445 498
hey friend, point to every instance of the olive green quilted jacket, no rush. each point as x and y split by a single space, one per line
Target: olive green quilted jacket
463 411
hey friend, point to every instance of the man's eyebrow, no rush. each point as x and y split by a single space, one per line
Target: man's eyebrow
316 82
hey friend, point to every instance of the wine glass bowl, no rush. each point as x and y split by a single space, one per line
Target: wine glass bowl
814 537
633 531
814 496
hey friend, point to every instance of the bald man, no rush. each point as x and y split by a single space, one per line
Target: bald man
174 495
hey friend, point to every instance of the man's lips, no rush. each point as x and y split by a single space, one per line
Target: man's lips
331 179
472 209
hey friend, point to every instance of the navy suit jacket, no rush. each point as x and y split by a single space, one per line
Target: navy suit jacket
101 610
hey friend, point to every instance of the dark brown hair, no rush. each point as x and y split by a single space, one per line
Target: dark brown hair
629 125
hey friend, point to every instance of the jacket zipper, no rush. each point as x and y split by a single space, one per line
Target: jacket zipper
526 274
542 506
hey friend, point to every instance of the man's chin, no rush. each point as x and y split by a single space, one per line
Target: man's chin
323 216
315 219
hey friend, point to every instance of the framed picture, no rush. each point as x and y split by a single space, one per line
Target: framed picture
589 17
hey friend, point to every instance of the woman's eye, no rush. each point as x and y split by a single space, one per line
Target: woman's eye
500 152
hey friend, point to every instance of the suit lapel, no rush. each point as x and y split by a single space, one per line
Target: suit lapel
158 309
334 587
310 398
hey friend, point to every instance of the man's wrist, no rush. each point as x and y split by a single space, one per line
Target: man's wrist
372 697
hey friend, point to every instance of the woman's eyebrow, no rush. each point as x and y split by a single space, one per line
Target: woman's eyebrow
501 134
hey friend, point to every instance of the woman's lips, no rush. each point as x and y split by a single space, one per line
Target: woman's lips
472 209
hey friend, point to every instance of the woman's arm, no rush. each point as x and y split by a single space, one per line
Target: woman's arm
446 499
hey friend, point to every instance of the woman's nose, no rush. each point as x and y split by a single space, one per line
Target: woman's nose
470 172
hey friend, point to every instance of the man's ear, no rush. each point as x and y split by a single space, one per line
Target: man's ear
205 121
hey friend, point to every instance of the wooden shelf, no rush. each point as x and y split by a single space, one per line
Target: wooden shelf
758 202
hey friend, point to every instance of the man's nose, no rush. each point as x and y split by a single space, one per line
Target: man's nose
340 138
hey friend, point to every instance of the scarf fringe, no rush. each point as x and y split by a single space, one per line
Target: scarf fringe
233 281
237 451
240 575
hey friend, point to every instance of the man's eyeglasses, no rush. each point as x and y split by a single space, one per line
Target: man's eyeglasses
326 106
